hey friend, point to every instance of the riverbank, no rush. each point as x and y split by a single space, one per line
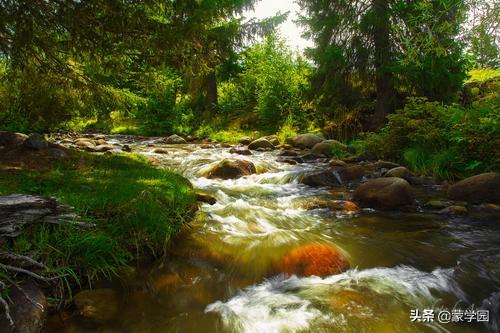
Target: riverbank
136 208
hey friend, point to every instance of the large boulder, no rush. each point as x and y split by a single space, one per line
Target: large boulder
324 178
28 310
174 139
476 189
304 141
231 169
10 139
313 259
384 193
328 147
98 305
262 143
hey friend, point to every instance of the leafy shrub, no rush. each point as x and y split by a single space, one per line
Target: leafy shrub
445 141
272 85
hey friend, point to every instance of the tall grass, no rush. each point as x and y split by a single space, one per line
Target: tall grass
135 206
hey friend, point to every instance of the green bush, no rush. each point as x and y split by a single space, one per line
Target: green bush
444 141
272 85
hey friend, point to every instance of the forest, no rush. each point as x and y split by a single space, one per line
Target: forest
177 161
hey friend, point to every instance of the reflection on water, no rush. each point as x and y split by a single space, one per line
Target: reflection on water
221 275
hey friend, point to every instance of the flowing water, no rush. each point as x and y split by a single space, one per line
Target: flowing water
221 276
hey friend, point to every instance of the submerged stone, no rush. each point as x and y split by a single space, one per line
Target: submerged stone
314 259
98 305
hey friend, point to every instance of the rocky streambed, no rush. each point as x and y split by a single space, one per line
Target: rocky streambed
289 239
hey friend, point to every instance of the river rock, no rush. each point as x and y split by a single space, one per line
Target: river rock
57 153
84 143
454 210
337 163
400 172
206 198
28 309
310 157
324 178
126 148
240 151
436 204
313 259
98 305
328 147
288 161
344 206
101 148
384 193
273 139
304 141
231 169
101 142
160 151
175 139
483 188
36 142
10 139
385 165
350 173
245 140
288 152
261 143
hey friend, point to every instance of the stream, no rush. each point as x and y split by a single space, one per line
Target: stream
220 274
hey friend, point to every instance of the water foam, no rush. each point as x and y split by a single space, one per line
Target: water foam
291 304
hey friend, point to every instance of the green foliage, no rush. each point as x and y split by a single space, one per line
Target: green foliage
443 141
272 85
287 130
482 34
483 75
136 207
366 50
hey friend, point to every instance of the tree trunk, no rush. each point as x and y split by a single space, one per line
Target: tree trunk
383 75
211 90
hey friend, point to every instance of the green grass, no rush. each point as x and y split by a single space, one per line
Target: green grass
229 135
136 207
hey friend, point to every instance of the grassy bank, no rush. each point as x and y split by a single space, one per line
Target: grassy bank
135 206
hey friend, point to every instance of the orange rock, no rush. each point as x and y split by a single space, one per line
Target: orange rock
314 259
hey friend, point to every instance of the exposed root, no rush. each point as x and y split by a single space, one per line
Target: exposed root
29 273
5 306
